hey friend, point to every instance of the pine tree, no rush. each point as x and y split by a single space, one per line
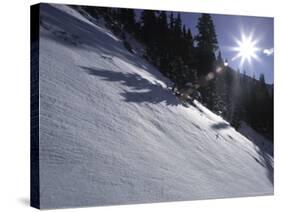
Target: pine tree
178 26
207 44
190 52
127 18
131 21
171 24
263 101
236 109
163 23
184 31
149 33
148 23
219 59
222 88
206 38
163 42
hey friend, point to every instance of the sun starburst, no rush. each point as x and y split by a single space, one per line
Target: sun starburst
246 49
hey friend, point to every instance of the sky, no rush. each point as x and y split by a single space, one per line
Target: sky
229 30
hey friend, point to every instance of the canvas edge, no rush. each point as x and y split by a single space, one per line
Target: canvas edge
34 106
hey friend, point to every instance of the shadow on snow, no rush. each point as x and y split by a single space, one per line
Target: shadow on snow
220 126
139 89
264 150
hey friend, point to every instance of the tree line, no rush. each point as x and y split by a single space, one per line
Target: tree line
183 57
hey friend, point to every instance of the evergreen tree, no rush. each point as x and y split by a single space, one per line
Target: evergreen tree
184 31
206 38
149 32
178 26
163 35
190 52
262 101
171 25
236 104
131 21
207 44
222 88
219 59
163 23
148 23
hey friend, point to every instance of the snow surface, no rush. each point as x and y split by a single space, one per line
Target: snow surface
111 132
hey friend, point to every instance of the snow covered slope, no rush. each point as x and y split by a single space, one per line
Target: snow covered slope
111 132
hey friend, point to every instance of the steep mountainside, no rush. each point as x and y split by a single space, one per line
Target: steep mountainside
112 132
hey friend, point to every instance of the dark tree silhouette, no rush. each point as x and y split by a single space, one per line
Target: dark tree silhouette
207 44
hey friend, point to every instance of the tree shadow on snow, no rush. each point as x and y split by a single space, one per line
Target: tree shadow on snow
270 169
138 89
263 148
265 161
220 126
265 151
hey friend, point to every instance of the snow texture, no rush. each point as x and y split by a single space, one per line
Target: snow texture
112 132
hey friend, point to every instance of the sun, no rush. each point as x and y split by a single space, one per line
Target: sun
246 49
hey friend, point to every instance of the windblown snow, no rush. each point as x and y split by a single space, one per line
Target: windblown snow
112 132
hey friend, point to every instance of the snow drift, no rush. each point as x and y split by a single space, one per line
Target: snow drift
112 132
